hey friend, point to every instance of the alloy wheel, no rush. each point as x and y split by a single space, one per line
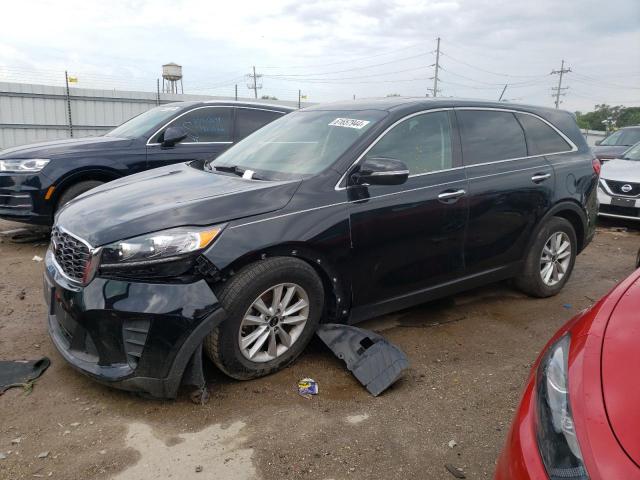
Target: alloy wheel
274 322
555 258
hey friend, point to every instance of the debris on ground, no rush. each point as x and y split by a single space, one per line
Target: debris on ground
455 471
21 373
26 235
43 455
37 258
372 359
567 306
198 468
452 443
307 387
3 456
16 441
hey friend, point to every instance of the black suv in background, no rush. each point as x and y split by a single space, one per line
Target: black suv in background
36 180
335 213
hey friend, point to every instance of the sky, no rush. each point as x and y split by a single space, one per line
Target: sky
332 50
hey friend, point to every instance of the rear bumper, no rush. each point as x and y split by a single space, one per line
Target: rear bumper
129 335
22 198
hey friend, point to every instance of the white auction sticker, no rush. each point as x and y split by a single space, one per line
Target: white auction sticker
349 123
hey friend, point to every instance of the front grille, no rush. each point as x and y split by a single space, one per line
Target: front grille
616 187
72 255
624 211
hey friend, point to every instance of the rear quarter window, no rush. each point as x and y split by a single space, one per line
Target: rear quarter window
541 138
490 136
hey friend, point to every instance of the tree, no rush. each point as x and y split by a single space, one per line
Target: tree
605 116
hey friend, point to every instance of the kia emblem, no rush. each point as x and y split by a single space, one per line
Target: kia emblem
626 188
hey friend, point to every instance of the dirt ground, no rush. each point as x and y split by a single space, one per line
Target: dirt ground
470 356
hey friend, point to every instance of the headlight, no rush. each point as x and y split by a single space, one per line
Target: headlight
157 247
556 434
23 165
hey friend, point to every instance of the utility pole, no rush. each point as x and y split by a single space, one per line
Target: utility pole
236 92
434 90
299 98
503 90
559 88
157 91
252 82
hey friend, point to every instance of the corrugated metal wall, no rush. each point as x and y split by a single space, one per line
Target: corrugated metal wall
33 113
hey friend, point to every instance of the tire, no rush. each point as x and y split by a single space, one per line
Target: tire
239 295
531 280
75 190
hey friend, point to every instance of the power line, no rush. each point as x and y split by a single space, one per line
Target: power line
511 75
348 69
352 60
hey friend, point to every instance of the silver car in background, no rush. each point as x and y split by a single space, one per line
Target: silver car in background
619 187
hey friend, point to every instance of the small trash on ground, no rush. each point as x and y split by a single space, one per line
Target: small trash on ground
198 468
37 258
452 443
21 373
307 387
43 455
16 441
372 359
455 471
3 456
567 306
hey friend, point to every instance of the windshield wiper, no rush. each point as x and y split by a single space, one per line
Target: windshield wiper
236 170
229 168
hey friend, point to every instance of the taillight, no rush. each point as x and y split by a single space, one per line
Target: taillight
597 166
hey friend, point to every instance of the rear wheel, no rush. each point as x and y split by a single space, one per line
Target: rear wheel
273 308
75 190
550 260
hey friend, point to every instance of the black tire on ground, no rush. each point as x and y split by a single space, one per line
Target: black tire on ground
76 189
530 281
238 294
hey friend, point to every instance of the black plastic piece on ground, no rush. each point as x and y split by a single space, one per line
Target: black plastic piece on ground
17 373
373 360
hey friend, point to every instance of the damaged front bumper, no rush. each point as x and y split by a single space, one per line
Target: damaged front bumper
130 335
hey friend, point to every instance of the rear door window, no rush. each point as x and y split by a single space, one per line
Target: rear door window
490 136
248 120
541 138
422 142
202 125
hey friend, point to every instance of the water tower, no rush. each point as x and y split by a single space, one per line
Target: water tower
171 76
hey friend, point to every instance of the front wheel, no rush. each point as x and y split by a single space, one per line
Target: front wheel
550 260
273 308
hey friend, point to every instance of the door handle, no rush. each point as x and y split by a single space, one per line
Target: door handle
540 177
449 195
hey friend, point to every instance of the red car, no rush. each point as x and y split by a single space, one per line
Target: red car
579 417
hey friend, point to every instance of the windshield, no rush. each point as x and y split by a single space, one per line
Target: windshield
633 153
626 137
299 144
144 122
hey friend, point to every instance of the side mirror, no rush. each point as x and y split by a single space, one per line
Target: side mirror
598 142
381 171
173 135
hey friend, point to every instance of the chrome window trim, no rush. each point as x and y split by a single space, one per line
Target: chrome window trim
386 195
199 108
415 114
27 205
573 146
